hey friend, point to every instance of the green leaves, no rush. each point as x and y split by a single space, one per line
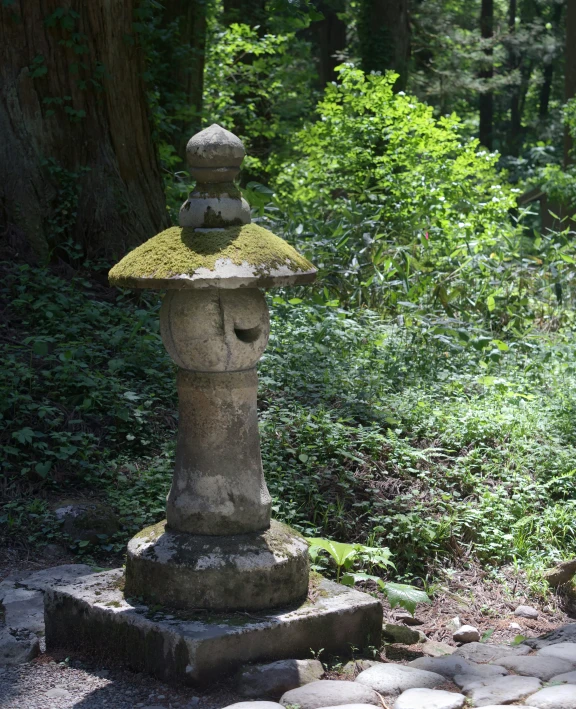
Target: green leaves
344 555
407 597
340 553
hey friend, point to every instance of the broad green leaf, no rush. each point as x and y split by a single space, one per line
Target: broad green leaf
400 594
490 303
339 551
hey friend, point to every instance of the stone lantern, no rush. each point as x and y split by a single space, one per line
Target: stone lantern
218 555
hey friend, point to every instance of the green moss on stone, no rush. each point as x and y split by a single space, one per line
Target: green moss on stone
182 251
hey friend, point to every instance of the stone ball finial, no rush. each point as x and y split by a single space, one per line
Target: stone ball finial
215 155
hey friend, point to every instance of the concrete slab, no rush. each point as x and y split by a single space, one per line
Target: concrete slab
194 647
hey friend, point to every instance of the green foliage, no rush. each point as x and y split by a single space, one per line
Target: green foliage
257 86
393 205
346 555
66 401
372 145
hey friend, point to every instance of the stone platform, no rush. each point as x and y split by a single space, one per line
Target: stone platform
196 647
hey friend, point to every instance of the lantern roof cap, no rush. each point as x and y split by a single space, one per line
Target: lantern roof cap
234 257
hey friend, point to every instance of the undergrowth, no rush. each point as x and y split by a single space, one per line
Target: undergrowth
371 432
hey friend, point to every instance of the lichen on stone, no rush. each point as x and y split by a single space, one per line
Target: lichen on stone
182 251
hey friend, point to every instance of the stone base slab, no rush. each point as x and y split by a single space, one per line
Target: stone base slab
196 647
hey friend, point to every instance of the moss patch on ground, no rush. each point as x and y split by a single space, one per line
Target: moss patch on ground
182 251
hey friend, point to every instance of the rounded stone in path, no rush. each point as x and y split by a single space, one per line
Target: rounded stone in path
526 612
58 693
451 666
537 666
565 651
350 706
561 697
254 705
484 652
566 678
329 693
429 699
466 634
501 690
395 679
275 678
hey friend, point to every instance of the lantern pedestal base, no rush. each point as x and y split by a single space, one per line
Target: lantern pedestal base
198 647
246 572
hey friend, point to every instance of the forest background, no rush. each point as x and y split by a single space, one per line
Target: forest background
420 152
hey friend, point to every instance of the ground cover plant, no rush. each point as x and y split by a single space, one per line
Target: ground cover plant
371 432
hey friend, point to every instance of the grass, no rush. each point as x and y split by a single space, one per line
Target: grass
371 432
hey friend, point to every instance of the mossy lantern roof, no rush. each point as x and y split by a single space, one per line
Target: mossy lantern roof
215 245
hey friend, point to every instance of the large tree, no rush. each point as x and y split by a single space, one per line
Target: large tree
76 155
330 38
486 98
384 37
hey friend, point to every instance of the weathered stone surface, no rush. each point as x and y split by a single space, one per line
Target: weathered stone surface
401 634
466 634
563 697
565 678
484 652
244 571
192 648
429 699
254 705
407 618
565 651
215 155
325 693
24 609
564 634
17 646
55 576
526 612
275 678
215 330
218 486
561 574
453 665
536 666
394 679
502 690
434 648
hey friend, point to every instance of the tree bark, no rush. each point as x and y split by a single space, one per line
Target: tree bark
384 37
569 71
330 37
76 155
188 65
546 88
486 102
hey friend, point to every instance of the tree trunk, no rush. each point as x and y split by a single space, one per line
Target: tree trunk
384 37
330 37
546 88
246 12
515 116
569 71
76 156
187 61
486 96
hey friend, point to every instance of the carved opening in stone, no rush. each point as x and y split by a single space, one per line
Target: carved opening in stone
250 334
